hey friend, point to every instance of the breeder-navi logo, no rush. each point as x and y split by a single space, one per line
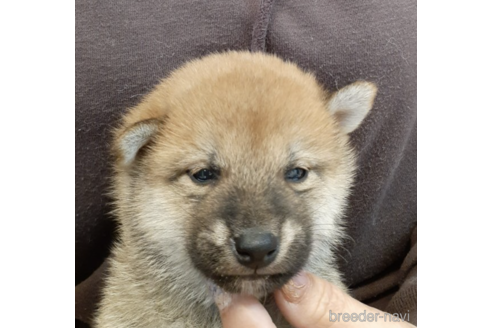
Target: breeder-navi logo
369 317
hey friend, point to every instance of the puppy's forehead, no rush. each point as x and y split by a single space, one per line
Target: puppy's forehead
253 112
257 130
246 111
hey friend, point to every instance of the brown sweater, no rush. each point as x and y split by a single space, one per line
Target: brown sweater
123 49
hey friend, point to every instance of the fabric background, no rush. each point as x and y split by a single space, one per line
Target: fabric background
123 49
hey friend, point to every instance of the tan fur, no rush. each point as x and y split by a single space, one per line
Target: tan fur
256 113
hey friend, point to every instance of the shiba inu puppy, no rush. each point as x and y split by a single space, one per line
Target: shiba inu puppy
232 174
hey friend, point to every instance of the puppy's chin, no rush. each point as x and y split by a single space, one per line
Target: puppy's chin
256 285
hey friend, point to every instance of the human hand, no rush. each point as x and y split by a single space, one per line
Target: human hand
306 302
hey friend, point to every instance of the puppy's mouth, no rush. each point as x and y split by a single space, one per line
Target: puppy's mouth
257 285
250 277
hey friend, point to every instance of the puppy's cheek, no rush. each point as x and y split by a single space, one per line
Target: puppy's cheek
299 251
219 234
211 259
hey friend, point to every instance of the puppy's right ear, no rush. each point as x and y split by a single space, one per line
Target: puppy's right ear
134 138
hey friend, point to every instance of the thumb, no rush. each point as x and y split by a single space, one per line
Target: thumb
242 311
311 302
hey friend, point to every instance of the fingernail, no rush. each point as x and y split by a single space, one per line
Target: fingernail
296 287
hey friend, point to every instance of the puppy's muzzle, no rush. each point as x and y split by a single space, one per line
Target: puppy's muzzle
255 248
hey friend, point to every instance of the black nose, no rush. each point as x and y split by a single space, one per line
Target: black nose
256 249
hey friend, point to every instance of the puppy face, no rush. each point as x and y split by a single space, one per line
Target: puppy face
237 167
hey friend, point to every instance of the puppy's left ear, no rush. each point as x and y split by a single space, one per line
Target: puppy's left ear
351 104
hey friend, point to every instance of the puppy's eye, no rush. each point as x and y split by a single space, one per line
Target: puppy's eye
203 176
296 175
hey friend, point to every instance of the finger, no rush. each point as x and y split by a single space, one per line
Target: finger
310 302
242 311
